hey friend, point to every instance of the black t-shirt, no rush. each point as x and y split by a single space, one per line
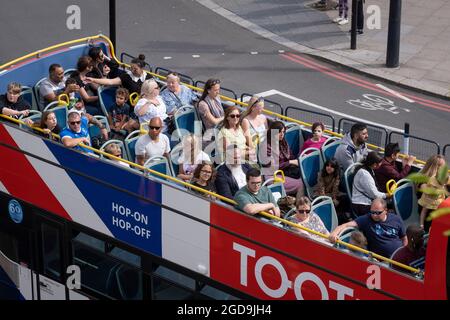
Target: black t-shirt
20 105
131 85
119 113
97 71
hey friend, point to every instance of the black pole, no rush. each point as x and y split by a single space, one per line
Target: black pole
355 4
393 45
112 22
406 139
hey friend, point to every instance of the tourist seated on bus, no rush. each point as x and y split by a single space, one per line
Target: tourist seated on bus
253 198
191 155
308 219
365 188
328 181
90 98
385 231
177 95
99 62
430 202
55 85
231 175
120 117
317 140
358 239
76 132
132 79
210 108
153 144
353 148
231 133
203 177
49 125
13 104
390 168
253 121
150 104
413 254
115 150
280 156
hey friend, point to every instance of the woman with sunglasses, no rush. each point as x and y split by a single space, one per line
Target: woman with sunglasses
253 121
210 108
306 218
204 176
317 140
232 133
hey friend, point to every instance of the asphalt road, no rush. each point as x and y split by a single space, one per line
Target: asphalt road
184 36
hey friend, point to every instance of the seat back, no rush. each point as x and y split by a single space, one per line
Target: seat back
106 97
294 138
405 202
35 116
121 145
309 162
323 206
345 236
28 94
184 120
349 175
130 143
277 190
159 164
94 131
175 154
329 148
37 94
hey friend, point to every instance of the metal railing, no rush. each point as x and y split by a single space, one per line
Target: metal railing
310 116
124 54
183 78
268 104
419 147
229 93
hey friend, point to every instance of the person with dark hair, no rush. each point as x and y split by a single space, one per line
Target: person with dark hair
84 66
209 105
100 60
280 156
253 198
203 177
390 169
365 187
231 175
353 148
132 79
385 231
317 140
413 254
55 85
49 124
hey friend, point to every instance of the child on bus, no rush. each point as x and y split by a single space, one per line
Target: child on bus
119 117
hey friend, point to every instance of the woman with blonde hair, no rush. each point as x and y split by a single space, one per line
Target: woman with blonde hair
253 121
191 155
150 104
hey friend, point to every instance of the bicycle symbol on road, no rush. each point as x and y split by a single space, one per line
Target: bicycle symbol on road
373 102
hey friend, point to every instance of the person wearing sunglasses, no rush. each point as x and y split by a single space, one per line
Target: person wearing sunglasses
385 231
306 218
231 133
153 144
76 132
13 104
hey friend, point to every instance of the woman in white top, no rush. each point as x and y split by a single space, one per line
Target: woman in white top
150 103
254 122
190 157
232 133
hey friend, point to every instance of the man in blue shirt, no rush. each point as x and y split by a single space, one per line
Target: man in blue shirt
384 231
76 132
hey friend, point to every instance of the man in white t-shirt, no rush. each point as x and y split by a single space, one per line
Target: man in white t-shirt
154 144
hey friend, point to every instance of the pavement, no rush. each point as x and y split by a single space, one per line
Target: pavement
296 24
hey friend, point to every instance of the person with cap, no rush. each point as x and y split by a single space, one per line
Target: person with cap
384 231
76 132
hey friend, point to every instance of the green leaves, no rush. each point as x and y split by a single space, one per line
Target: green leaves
439 213
442 175
418 178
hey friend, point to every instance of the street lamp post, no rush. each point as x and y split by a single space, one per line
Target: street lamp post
393 42
112 22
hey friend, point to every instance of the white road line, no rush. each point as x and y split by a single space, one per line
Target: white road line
395 93
313 105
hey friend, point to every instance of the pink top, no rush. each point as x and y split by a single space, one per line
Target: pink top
313 144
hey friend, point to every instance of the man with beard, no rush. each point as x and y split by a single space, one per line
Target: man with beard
353 148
